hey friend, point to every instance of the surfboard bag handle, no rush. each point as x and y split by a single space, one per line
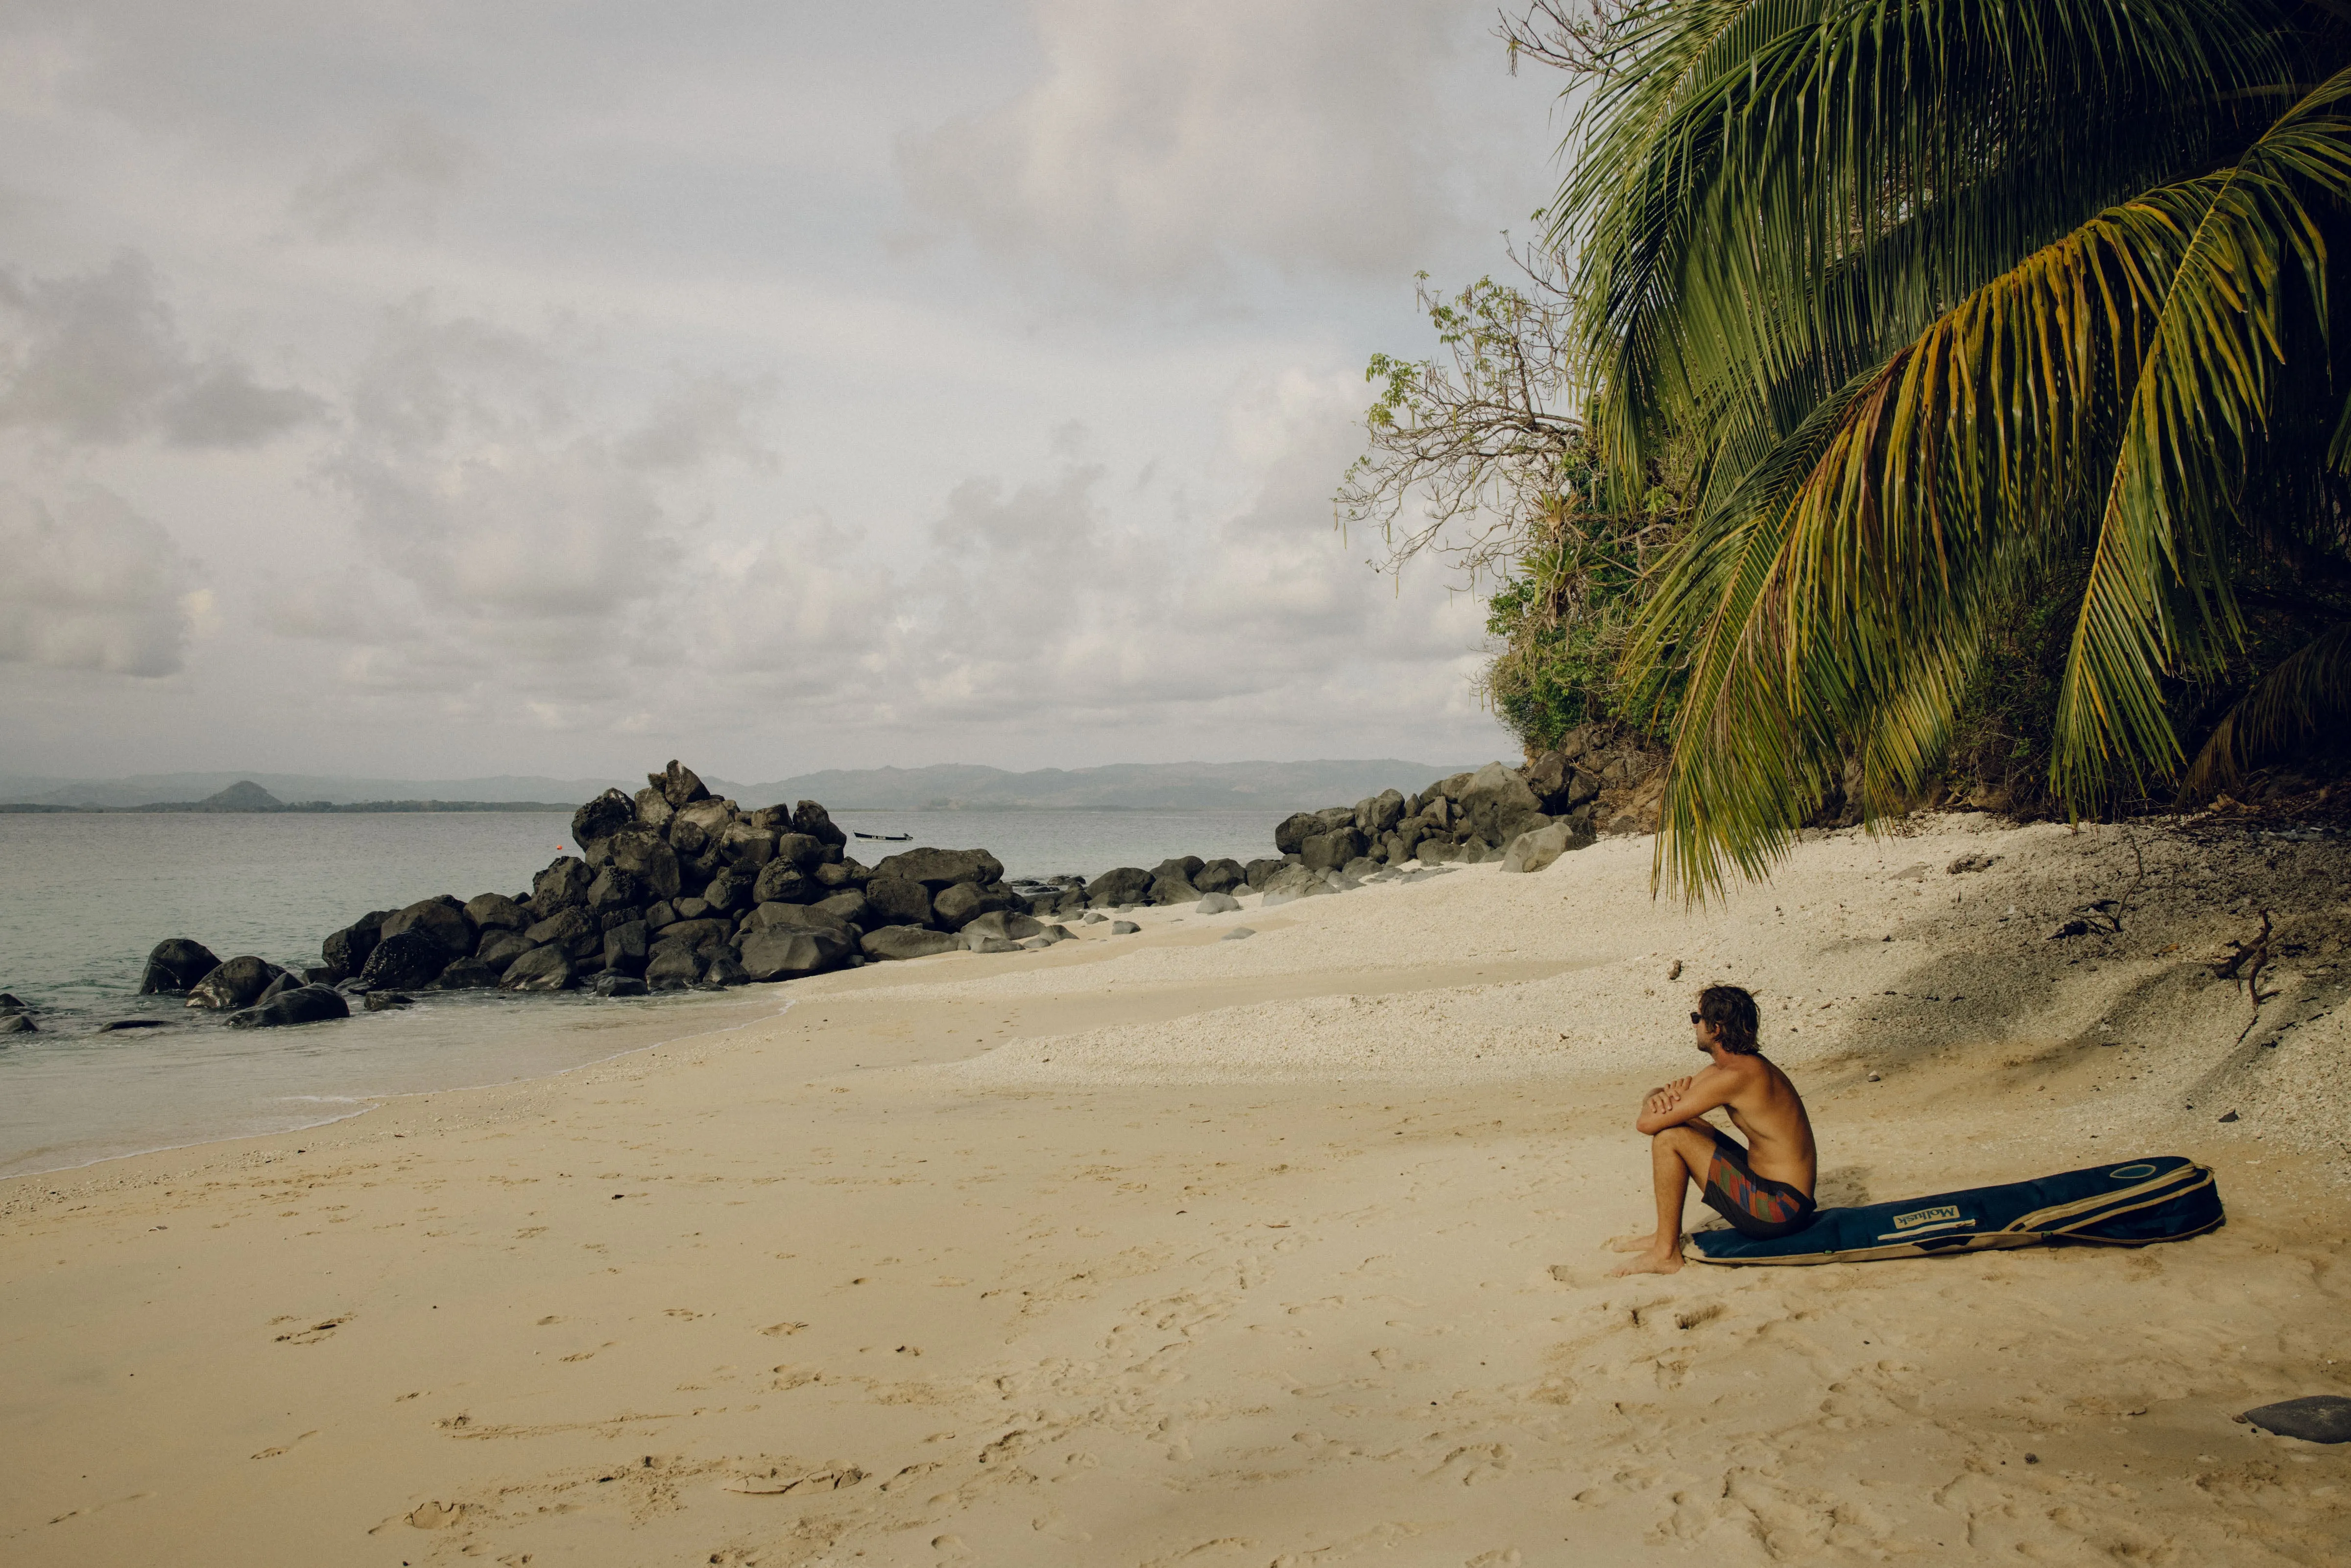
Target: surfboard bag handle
2166 1199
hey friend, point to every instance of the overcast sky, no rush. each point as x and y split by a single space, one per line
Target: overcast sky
441 389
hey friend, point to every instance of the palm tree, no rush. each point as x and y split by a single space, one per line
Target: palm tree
1965 301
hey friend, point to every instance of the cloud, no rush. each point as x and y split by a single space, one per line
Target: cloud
1166 143
91 585
97 359
399 183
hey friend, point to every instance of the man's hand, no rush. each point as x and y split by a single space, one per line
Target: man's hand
1665 1098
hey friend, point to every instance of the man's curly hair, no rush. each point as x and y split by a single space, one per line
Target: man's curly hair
1731 1011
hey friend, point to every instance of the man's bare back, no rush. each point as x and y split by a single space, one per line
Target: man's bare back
1764 1188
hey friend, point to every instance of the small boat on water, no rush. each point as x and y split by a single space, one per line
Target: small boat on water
888 837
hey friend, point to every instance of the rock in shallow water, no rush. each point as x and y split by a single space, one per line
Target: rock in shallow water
238 982
17 1023
540 969
303 1004
786 953
610 985
176 964
409 959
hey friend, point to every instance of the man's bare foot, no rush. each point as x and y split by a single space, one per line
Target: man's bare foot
1650 1262
1640 1243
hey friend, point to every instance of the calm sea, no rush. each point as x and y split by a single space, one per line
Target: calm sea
82 899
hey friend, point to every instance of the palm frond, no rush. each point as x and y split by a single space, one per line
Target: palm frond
2309 690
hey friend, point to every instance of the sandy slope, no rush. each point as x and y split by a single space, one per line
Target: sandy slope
1271 1251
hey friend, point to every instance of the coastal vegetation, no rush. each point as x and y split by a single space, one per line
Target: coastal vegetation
1976 363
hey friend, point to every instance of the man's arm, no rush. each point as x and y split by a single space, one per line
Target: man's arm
1698 1095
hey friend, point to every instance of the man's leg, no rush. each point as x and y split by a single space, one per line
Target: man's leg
1678 1159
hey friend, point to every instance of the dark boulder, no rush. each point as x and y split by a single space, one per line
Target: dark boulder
564 882
731 889
722 969
500 948
540 969
661 914
20 1023
1257 871
617 984
935 869
842 874
615 889
643 853
302 1004
496 912
1294 831
408 959
672 967
745 845
346 951
654 810
678 784
958 905
626 948
697 933
1010 925
443 919
783 953
1124 885
1376 816
797 917
688 909
1219 876
1180 866
593 825
384 1001
805 851
287 980
850 907
900 942
572 930
467 975
813 819
1173 889
239 982
176 964
1329 852
1500 805
895 901
698 827
781 881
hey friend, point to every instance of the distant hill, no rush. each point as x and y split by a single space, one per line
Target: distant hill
150 789
1278 788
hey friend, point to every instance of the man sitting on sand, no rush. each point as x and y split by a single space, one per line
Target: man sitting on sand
1764 1188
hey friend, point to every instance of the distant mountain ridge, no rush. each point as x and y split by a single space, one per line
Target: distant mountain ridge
1274 787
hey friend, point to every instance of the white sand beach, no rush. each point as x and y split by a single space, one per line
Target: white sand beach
1278 1251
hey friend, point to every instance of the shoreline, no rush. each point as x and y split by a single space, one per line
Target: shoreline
1115 1252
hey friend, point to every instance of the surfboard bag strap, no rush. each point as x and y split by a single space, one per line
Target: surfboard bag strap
2166 1199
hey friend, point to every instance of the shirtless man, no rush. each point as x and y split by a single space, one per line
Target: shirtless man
1764 1188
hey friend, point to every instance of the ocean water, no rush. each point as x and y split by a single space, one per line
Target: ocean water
83 898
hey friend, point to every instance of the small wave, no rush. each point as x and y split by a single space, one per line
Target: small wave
330 1098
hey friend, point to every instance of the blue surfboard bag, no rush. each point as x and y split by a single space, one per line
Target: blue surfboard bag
2166 1199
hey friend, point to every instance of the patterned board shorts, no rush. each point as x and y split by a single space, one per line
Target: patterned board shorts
1755 1206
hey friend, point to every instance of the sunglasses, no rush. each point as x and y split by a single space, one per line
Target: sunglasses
1695 1019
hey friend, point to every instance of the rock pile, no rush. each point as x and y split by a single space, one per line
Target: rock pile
674 888
1598 782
